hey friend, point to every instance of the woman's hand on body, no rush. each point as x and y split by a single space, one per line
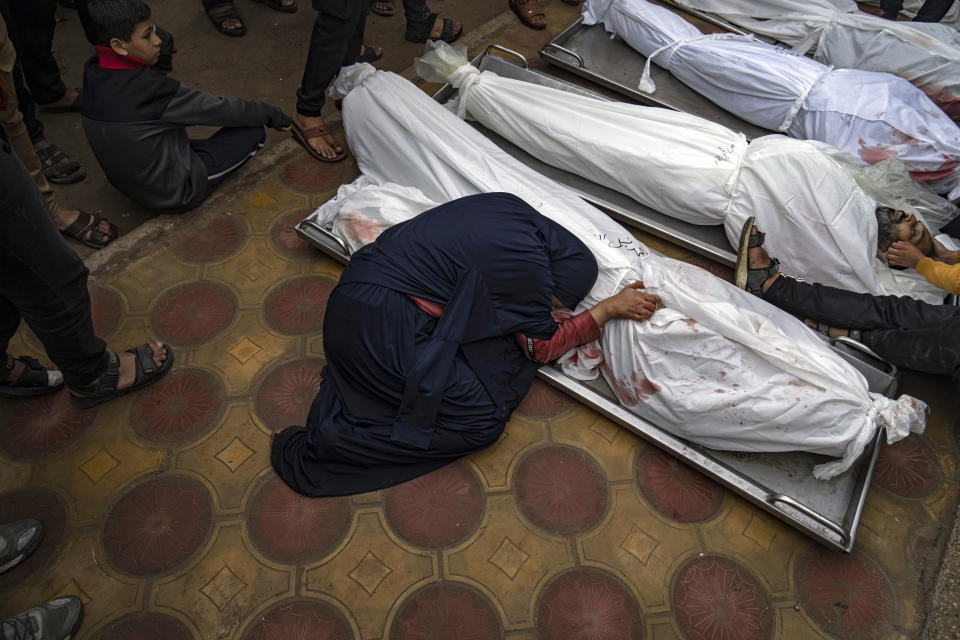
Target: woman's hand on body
630 302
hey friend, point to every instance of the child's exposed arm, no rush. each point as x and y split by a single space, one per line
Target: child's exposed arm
193 107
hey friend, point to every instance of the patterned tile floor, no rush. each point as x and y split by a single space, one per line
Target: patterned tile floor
163 515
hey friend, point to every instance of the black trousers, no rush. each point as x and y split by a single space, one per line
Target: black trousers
42 280
903 331
226 151
335 42
931 11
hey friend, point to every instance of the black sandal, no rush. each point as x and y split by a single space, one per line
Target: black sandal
369 54
105 389
423 34
224 13
277 5
34 380
56 170
384 12
751 280
88 222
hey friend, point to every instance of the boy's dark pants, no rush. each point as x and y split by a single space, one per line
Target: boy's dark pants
335 42
226 151
903 331
42 280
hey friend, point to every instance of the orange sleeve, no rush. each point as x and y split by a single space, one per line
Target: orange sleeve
940 274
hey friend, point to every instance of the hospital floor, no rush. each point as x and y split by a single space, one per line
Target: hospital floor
164 517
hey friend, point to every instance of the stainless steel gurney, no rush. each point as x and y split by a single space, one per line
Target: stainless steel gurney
780 483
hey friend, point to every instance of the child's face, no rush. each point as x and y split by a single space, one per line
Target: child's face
143 44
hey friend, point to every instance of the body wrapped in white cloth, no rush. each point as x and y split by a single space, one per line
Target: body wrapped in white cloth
871 116
925 54
821 222
786 390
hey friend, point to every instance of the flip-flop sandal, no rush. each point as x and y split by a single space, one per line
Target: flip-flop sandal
56 170
105 389
369 54
222 16
384 12
526 15
277 5
304 136
34 380
446 31
73 107
91 222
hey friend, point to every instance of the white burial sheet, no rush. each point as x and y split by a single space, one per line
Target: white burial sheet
820 223
925 54
872 116
717 365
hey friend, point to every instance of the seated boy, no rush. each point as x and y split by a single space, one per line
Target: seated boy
135 117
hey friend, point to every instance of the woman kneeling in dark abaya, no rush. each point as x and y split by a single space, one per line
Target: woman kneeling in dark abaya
432 338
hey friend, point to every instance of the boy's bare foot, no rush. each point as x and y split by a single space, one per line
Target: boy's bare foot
313 133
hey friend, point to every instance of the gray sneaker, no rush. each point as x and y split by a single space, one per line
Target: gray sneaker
18 540
56 620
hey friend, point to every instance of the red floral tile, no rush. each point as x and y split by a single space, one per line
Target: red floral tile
306 175
285 239
219 238
543 402
42 425
715 598
106 309
908 468
674 489
294 529
47 507
848 596
157 525
187 403
286 393
437 510
296 306
588 604
446 610
561 489
193 313
145 626
301 620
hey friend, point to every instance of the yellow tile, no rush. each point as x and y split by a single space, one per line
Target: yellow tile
241 354
636 542
507 560
94 470
230 458
79 570
13 474
763 543
663 629
791 623
886 529
143 281
324 265
269 201
494 464
228 587
371 573
612 446
253 272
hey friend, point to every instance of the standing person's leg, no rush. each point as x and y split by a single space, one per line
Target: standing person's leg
933 11
32 33
891 8
226 151
334 33
422 25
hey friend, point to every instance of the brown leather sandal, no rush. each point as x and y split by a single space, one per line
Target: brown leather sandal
304 136
527 10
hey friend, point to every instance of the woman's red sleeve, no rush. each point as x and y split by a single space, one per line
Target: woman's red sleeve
572 331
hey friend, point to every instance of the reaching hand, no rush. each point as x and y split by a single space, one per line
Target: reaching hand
903 254
629 302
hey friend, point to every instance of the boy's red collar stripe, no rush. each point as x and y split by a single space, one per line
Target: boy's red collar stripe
108 59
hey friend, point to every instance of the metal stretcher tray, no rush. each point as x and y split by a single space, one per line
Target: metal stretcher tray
589 51
780 483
